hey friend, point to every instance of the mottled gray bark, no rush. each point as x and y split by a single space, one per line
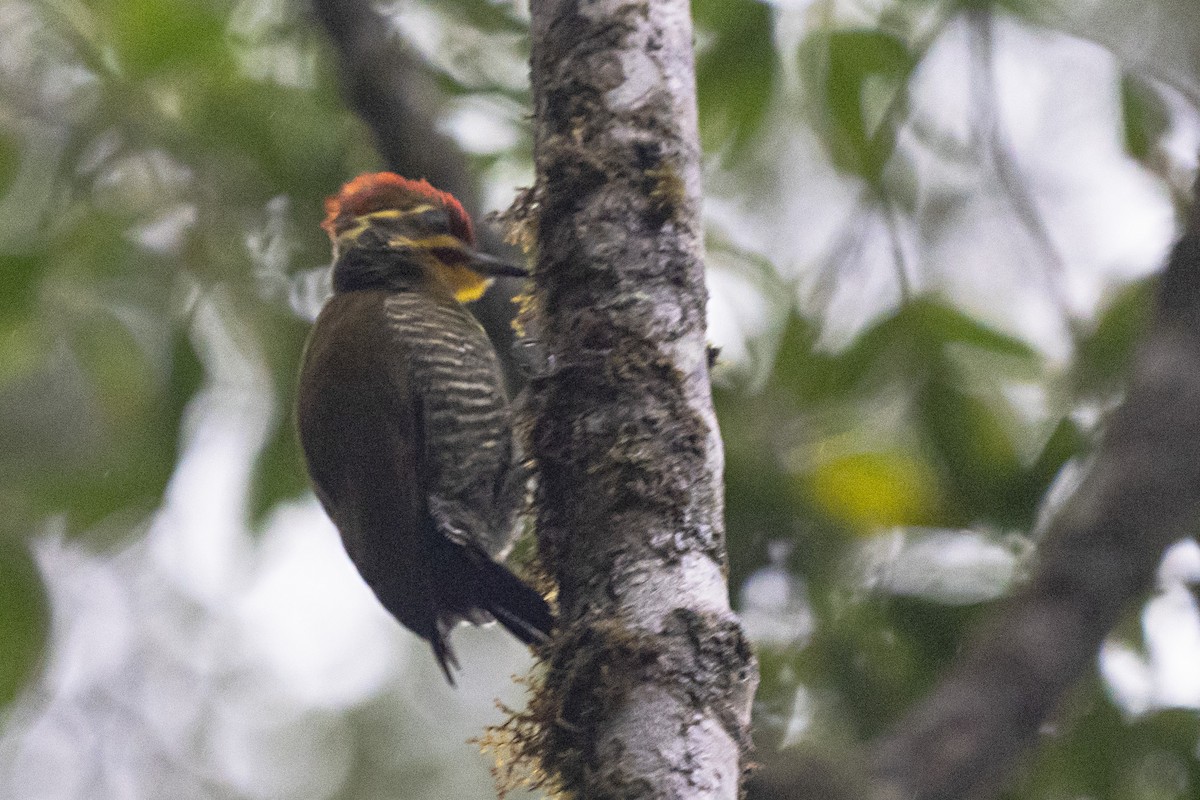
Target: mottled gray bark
650 678
1140 496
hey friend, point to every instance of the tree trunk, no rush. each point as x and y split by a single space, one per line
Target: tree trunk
649 683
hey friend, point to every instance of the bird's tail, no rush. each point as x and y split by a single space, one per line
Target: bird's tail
515 605
475 588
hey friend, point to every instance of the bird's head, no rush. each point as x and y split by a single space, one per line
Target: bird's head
388 230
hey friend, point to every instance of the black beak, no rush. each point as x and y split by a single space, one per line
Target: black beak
494 267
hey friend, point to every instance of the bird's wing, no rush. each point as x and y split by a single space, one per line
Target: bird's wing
359 426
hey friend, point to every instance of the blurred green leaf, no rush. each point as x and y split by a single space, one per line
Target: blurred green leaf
19 274
936 629
864 73
979 458
1110 756
1146 117
876 672
801 370
911 344
10 161
488 16
284 137
279 472
120 446
736 73
760 503
24 618
1103 356
930 324
1066 442
153 34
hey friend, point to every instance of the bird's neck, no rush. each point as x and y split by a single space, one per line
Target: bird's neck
361 268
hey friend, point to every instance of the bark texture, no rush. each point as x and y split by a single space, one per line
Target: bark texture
1141 495
650 678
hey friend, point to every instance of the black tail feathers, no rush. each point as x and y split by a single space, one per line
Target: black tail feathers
515 605
472 583
443 652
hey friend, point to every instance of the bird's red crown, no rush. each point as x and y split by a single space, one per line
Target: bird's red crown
380 191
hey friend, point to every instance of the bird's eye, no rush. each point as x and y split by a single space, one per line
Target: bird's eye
451 255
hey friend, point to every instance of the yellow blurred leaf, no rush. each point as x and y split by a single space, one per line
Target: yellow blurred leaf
871 490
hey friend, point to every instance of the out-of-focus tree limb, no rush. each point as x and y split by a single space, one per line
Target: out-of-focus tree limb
389 89
1141 494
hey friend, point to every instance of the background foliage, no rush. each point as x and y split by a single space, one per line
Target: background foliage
932 227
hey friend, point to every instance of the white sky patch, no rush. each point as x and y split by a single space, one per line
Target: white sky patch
1165 675
311 619
774 605
950 566
282 63
1106 220
141 183
1128 677
198 534
264 39
164 234
737 311
266 728
458 49
90 643
804 708
1172 625
483 124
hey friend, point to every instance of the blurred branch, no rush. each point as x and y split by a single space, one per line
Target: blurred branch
992 140
386 85
1100 554
389 88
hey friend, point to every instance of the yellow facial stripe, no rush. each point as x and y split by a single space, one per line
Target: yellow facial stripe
395 213
355 230
440 241
466 284
362 223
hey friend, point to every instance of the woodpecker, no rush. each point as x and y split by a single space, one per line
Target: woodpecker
403 417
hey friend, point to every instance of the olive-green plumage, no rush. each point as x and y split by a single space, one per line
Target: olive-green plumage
404 421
